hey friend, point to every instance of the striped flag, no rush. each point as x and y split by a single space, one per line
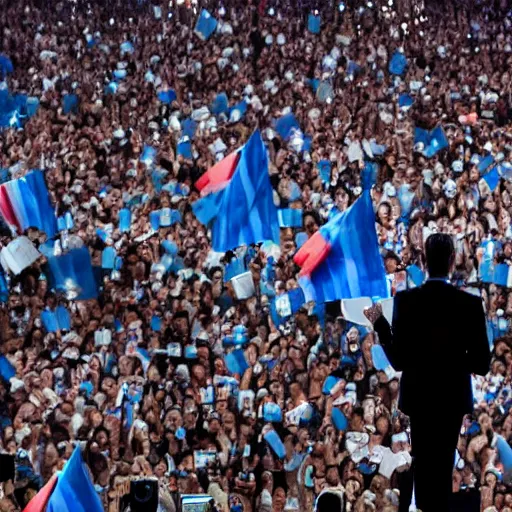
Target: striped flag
342 259
242 212
25 203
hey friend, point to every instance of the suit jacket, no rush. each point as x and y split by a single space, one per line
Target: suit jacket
438 338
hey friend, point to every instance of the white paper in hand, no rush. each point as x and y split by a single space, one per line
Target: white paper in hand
353 310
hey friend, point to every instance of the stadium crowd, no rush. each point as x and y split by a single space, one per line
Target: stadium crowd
141 376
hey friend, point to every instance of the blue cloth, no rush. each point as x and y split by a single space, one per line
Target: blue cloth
243 213
70 103
485 163
188 128
205 26
339 419
398 63
74 491
58 320
36 203
314 23
108 258
434 141
65 222
353 267
274 441
286 305
492 178
125 220
285 125
236 362
148 154
324 168
380 361
272 412
6 66
290 217
314 83
329 383
234 268
72 273
7 370
184 148
167 97
241 107
127 47
220 104
416 275
405 100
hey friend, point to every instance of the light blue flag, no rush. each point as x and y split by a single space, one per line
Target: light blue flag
290 217
6 66
70 103
74 491
433 141
7 370
167 97
314 23
285 125
398 63
73 275
324 169
184 148
351 266
243 213
205 26
220 104
492 178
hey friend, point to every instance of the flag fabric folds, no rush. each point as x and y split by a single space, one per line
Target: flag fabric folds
218 176
74 491
314 23
205 26
25 203
342 259
290 217
72 274
398 63
243 212
40 500
433 141
7 370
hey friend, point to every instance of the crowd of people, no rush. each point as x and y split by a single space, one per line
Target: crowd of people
183 415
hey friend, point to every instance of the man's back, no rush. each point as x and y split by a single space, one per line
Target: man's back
439 339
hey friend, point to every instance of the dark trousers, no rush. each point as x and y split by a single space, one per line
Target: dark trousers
433 452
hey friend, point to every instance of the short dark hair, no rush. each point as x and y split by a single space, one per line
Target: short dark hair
440 253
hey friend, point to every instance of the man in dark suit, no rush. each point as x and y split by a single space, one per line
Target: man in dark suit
437 339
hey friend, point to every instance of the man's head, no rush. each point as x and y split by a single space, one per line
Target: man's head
440 254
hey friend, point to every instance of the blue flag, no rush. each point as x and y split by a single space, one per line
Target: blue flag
286 305
70 103
289 217
6 66
314 23
72 274
433 141
7 370
398 63
166 97
74 491
220 104
242 213
342 259
205 26
285 125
